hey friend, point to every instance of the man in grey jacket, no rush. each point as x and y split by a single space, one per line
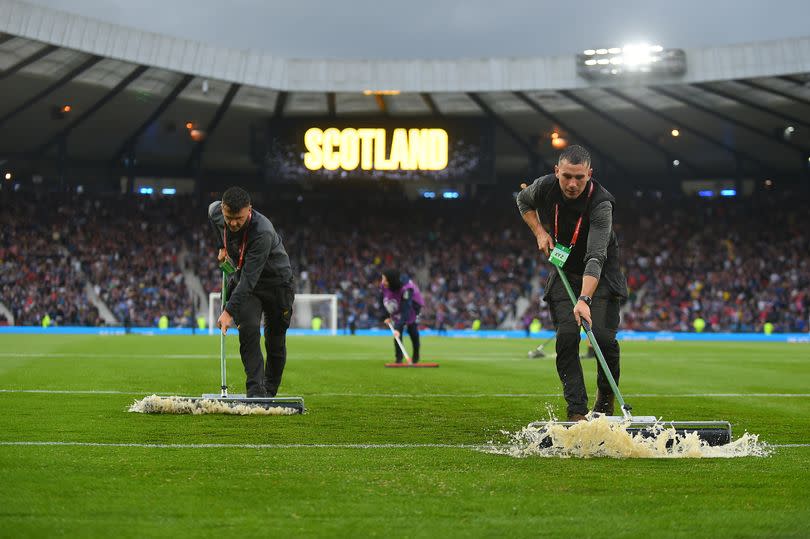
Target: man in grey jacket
260 282
578 212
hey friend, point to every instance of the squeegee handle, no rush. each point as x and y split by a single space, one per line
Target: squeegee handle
399 343
592 338
224 384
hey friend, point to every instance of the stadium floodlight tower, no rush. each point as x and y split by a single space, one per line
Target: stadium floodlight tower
632 59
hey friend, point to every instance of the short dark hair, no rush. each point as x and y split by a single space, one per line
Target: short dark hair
576 155
236 198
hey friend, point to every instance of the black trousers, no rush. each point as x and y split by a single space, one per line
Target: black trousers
413 332
605 317
276 305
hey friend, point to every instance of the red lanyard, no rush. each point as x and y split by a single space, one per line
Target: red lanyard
579 221
244 241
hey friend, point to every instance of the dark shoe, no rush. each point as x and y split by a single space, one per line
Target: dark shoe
604 403
576 417
257 395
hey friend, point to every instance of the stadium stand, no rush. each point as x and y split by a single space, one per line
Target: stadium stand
736 263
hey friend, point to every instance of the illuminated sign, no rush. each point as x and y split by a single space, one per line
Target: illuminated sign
366 148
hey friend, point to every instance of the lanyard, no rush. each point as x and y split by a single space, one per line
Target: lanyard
244 241
579 221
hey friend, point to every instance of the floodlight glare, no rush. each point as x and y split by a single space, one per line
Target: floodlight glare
635 58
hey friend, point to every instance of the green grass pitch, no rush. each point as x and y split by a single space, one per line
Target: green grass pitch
385 452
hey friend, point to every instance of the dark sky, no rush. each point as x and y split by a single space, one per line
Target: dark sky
444 29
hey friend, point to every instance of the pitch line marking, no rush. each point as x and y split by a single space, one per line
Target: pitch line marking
427 395
275 446
243 446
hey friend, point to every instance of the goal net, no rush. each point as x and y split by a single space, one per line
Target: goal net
310 311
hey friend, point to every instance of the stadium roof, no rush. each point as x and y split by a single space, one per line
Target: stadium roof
733 109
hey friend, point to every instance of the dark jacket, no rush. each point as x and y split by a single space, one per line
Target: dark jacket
544 194
266 264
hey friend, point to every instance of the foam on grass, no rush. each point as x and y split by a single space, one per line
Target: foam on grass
155 404
600 437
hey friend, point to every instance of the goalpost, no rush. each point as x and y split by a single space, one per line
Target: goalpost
305 308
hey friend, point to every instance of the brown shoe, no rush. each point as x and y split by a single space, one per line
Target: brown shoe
604 403
576 417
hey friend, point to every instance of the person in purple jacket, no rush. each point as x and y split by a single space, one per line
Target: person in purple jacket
402 301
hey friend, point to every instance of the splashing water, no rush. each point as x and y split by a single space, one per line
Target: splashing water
154 404
600 437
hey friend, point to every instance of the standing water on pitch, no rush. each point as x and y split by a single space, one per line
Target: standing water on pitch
600 437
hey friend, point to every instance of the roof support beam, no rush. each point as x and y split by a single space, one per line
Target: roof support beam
740 156
794 80
132 139
281 102
629 130
381 104
774 91
75 72
567 127
25 62
331 102
510 131
137 72
751 104
725 117
195 157
431 104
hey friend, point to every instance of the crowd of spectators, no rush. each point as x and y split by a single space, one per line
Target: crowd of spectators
735 263
125 248
38 276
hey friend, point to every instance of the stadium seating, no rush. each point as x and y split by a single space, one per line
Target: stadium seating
736 263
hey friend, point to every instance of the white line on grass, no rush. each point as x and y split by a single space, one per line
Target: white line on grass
275 446
545 395
70 392
104 356
244 446
431 395
334 357
718 395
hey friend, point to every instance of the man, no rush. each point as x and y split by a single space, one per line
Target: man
402 301
579 213
261 282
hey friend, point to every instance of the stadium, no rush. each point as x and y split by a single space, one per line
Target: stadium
390 157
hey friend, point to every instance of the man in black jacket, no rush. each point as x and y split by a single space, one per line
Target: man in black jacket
261 281
579 213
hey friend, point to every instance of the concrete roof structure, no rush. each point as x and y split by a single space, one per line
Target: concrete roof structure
733 107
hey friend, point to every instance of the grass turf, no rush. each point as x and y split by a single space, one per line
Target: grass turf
330 489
